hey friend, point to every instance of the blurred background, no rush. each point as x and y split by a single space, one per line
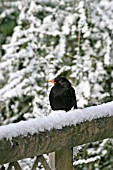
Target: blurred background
41 39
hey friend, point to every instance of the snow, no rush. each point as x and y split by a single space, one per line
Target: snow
95 154
46 46
89 160
100 149
57 120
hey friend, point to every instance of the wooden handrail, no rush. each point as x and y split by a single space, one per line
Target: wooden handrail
21 147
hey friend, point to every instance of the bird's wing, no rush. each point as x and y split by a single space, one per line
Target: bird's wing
70 95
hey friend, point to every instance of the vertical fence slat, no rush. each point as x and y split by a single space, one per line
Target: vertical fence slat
64 159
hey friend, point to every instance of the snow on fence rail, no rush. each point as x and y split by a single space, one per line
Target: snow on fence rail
55 132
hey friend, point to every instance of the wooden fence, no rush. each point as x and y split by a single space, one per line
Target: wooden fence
59 141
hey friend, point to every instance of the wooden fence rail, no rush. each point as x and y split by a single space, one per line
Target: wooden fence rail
60 141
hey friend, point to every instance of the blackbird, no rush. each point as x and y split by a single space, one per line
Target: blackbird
62 95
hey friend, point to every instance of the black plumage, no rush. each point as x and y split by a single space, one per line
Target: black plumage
62 95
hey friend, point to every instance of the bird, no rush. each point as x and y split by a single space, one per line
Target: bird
62 95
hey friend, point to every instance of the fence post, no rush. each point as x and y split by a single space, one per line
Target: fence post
64 159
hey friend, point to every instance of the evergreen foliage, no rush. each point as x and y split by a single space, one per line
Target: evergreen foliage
98 155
